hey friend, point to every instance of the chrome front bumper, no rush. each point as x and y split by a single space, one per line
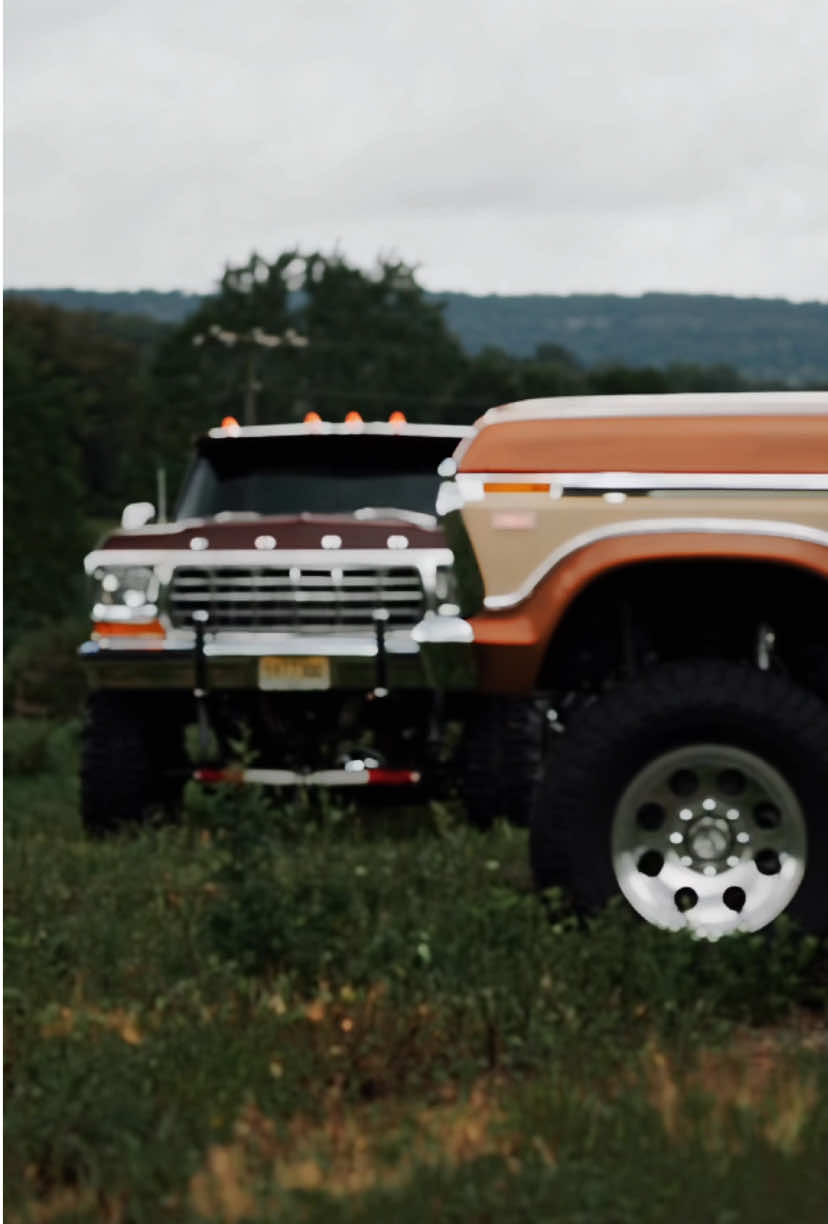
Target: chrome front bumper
437 654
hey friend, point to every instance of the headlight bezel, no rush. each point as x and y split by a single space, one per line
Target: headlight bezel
125 593
445 590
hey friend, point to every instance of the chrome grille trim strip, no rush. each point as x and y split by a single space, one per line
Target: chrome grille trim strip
249 598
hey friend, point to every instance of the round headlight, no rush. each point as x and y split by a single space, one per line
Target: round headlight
132 588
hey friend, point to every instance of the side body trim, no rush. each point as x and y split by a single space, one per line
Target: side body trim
470 484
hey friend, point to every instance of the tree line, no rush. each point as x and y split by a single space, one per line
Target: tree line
765 339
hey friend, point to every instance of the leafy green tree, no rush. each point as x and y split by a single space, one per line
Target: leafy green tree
79 444
43 524
621 380
367 341
492 377
682 376
98 373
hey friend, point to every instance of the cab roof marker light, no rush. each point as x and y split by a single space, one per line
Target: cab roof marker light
312 418
397 419
230 424
353 419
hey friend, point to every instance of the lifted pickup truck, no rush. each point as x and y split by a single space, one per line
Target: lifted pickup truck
281 599
655 566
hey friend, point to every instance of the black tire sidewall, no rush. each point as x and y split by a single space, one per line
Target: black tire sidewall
502 759
130 741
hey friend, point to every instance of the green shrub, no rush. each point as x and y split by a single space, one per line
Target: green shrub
26 745
43 674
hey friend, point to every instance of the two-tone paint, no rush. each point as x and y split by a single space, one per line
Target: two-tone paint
550 495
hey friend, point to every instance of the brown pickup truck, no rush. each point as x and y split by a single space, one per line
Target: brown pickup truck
654 568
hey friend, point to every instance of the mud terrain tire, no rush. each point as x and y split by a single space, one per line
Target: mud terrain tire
502 759
129 747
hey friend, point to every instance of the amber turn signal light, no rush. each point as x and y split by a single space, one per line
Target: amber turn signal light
498 486
149 629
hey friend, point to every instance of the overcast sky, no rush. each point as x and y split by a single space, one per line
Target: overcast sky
502 145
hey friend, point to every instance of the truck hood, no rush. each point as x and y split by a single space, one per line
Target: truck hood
300 531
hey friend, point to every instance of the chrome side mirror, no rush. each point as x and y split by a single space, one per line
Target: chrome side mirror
137 514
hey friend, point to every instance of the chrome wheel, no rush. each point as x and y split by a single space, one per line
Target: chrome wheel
711 838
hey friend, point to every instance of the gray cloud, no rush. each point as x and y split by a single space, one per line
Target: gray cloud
504 145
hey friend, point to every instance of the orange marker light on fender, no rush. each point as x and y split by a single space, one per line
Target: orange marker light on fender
397 419
515 486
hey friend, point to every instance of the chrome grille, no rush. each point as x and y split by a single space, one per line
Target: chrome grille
313 599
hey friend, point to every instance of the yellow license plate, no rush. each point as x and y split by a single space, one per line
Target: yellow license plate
301 672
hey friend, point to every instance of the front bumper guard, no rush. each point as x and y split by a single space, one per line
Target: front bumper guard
438 653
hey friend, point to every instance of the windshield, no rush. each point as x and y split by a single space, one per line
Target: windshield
313 475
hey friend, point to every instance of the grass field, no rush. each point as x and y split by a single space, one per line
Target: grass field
310 1014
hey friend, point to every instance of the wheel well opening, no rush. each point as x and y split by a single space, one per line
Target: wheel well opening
652 612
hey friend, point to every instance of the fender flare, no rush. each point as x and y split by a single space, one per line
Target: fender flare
511 642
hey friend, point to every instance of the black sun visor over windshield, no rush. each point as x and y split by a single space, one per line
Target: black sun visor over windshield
327 474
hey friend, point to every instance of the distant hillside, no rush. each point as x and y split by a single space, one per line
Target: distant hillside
766 340
171 307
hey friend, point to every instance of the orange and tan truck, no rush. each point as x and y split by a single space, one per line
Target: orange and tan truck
654 569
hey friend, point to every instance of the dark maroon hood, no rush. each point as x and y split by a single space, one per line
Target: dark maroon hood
301 531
